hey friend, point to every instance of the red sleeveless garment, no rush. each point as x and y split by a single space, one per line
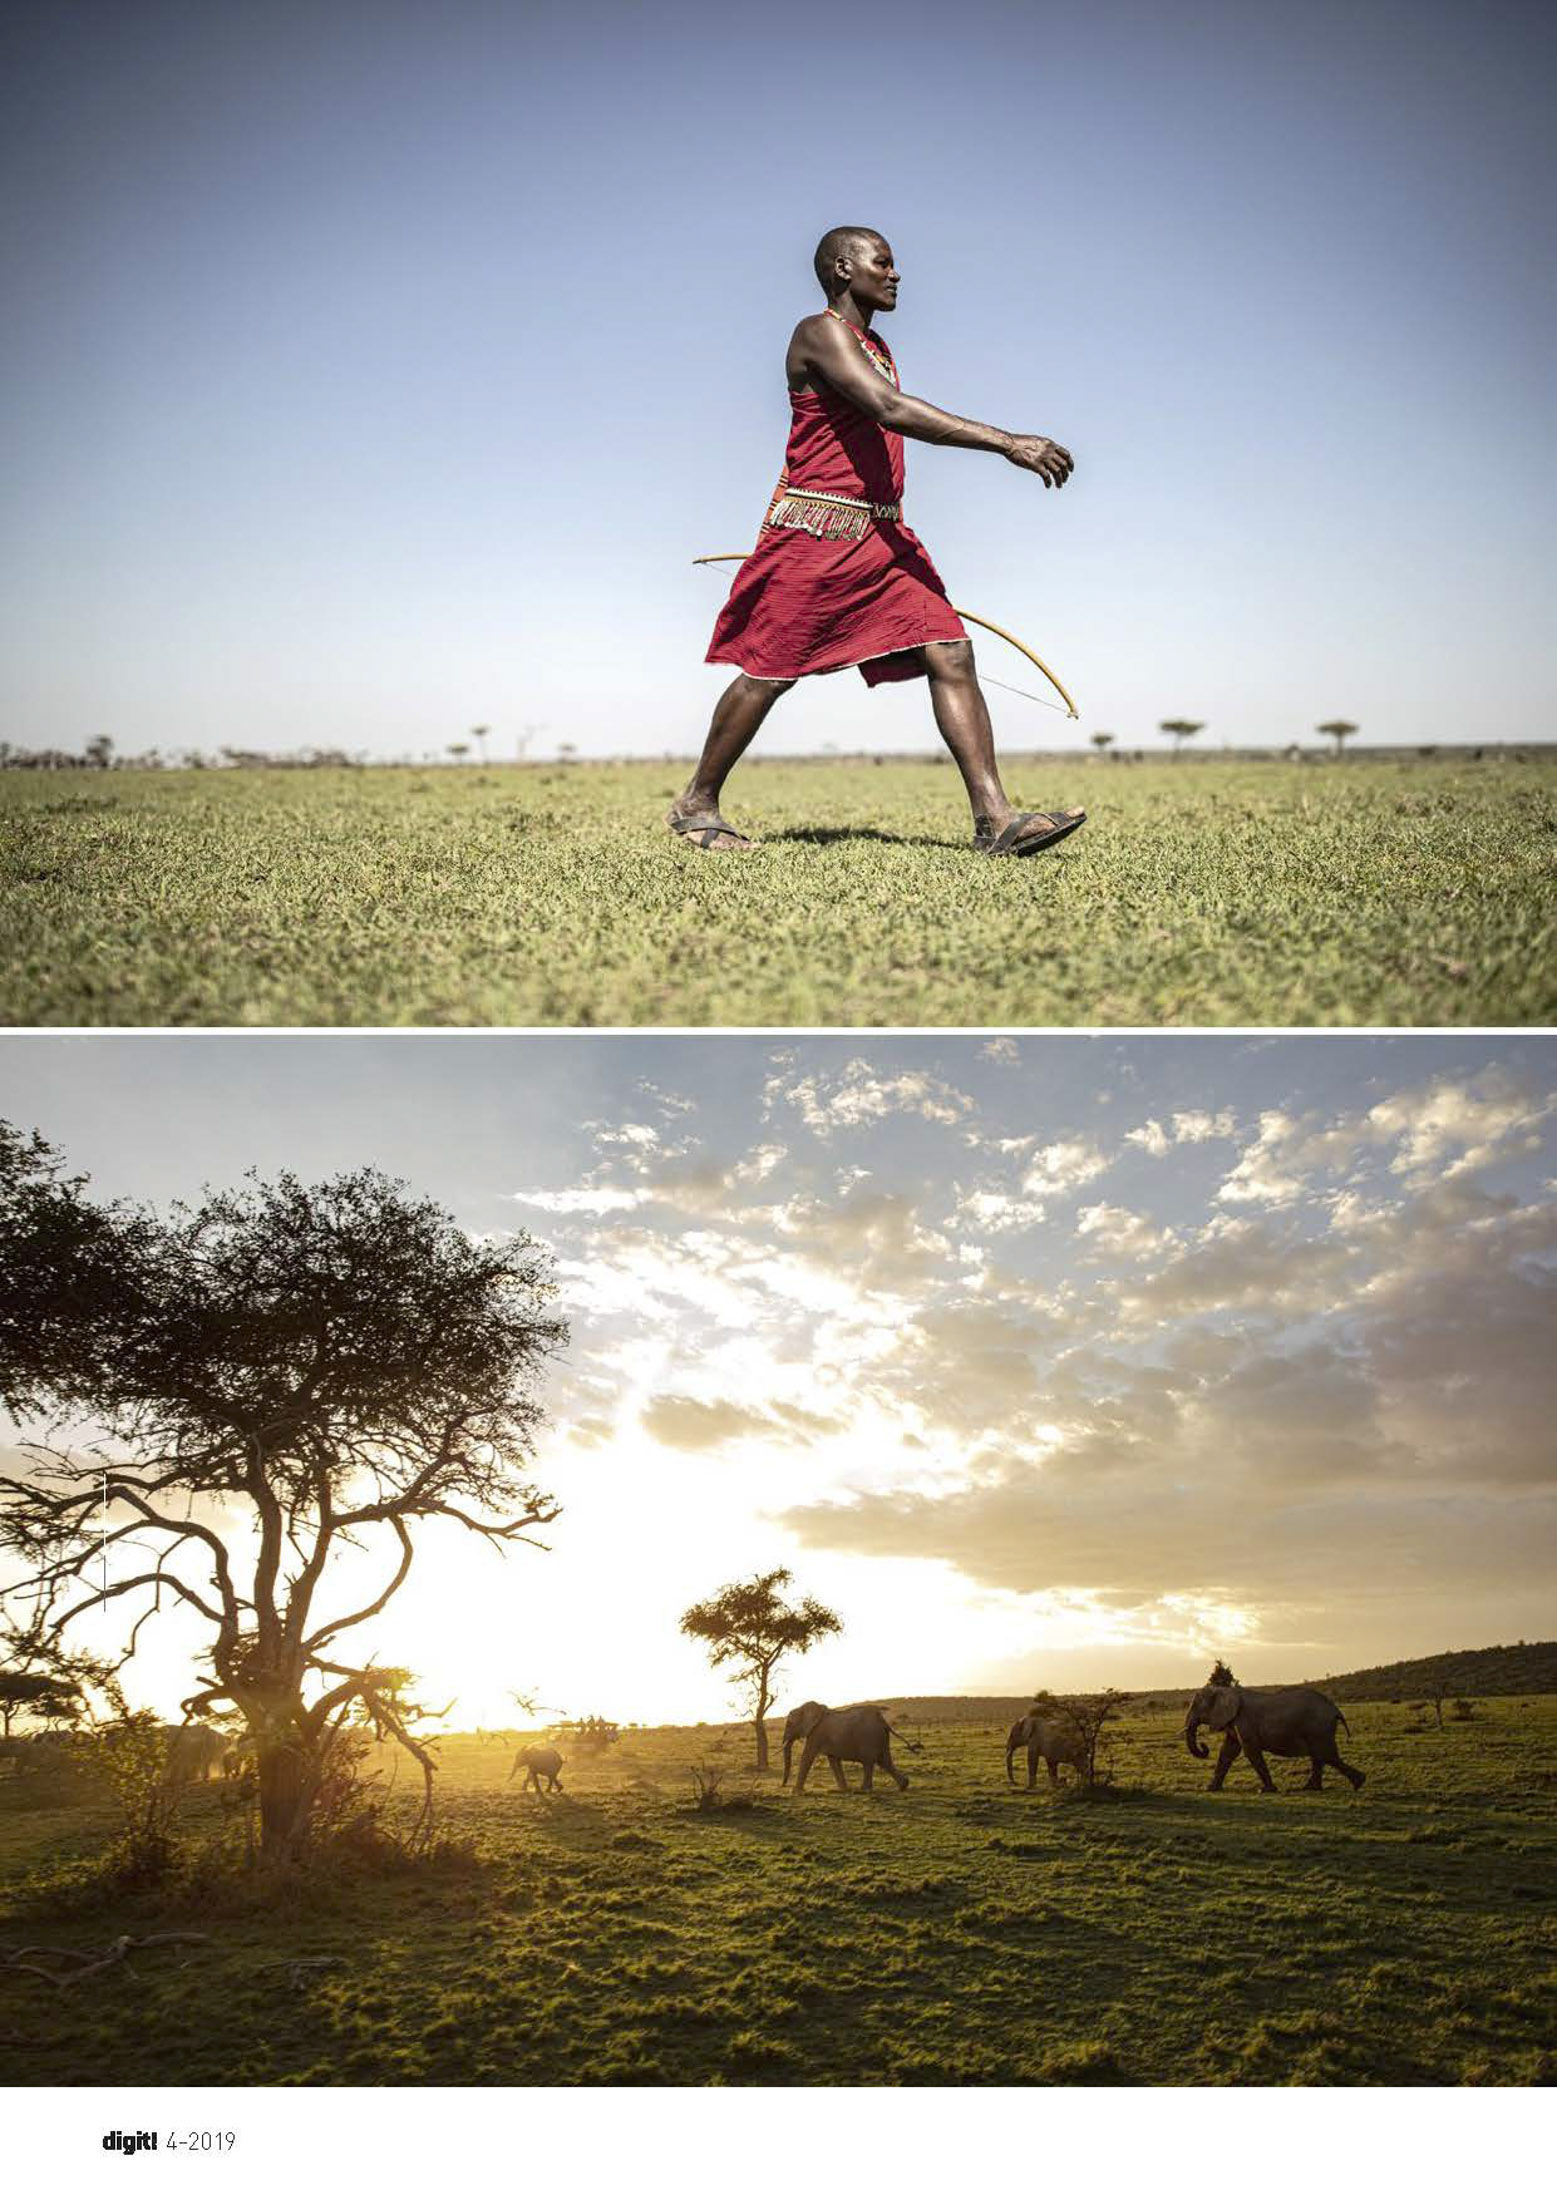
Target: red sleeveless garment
836 578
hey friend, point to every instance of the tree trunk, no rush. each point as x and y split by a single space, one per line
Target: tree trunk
761 1722
284 1778
286 1774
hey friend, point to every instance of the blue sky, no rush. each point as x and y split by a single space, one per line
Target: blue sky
1046 1360
374 371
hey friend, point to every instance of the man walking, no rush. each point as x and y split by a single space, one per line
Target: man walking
837 579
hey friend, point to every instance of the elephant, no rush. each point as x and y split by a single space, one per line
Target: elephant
1288 1722
192 1754
1050 1735
540 1764
858 1734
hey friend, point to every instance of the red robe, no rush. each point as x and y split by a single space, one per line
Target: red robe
827 585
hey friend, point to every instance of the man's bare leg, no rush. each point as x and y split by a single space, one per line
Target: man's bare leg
738 714
962 717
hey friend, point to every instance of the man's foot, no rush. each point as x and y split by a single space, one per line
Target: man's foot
706 829
1025 832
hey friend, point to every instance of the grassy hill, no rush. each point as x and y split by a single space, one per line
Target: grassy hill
1507 1669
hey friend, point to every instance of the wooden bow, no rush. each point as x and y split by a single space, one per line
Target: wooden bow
728 557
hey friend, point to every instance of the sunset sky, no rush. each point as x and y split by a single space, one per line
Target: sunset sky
1053 1360
375 371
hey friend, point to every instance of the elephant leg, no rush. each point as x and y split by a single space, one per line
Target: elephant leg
1316 1772
1054 1777
1356 1778
869 1780
806 1756
837 1765
1032 1766
1225 1755
1256 1757
888 1766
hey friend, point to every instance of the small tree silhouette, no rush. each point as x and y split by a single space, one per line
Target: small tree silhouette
1181 729
1339 730
750 1626
1102 741
1091 1714
478 734
457 749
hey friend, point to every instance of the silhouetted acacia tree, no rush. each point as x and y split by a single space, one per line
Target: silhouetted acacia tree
279 1374
39 1695
1181 729
749 1625
1339 730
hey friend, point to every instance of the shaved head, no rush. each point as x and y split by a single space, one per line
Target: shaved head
840 244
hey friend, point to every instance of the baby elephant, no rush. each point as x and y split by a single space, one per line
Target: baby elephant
540 1764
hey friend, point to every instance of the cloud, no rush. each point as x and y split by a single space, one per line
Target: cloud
1191 1127
1194 1126
1055 1171
631 1135
1261 1174
1063 1167
1001 1050
584 1199
1321 1384
692 1424
858 1095
1478 1116
1117 1232
1238 1263
1441 1130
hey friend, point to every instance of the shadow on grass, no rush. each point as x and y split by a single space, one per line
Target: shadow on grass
824 836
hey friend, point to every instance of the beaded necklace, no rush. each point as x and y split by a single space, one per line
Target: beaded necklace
880 360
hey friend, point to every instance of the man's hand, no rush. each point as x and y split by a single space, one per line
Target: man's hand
1050 461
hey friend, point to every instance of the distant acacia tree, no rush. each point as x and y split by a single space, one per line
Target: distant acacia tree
748 1625
1101 741
1339 730
1181 730
280 1374
478 734
39 1696
457 749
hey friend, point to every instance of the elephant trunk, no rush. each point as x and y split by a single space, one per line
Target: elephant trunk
1192 1741
1011 1749
789 1744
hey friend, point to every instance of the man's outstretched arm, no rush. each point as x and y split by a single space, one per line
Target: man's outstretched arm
825 348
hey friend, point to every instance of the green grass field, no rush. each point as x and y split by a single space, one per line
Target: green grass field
960 1933
1203 892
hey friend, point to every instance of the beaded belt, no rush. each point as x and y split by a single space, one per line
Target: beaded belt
830 518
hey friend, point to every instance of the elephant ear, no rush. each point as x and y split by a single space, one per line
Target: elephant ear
1224 1707
808 1715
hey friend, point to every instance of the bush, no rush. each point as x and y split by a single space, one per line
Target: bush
708 1791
